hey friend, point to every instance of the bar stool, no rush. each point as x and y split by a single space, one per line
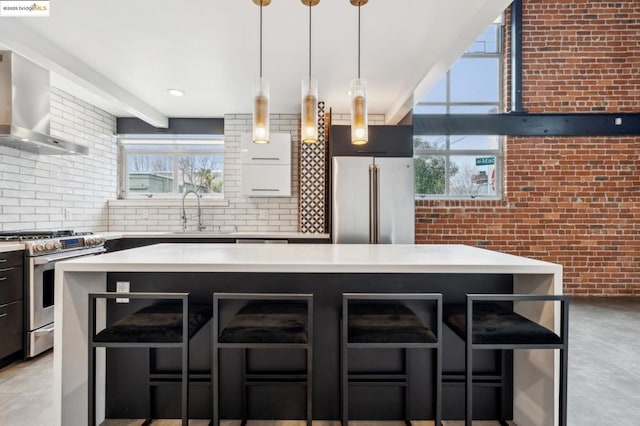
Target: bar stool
377 320
155 326
266 321
493 326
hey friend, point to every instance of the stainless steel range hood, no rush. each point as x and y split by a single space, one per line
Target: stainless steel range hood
25 116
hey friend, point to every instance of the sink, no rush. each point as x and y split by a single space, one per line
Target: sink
207 233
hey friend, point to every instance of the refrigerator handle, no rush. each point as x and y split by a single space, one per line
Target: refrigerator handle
374 204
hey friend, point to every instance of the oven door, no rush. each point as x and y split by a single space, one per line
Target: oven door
41 295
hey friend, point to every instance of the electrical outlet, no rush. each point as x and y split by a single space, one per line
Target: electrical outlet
145 214
122 287
67 214
263 214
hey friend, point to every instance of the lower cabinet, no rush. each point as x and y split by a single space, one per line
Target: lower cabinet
11 306
11 329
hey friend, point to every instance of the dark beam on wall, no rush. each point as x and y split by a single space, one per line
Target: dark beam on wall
516 56
177 126
528 124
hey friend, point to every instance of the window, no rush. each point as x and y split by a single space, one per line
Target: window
451 166
456 166
167 167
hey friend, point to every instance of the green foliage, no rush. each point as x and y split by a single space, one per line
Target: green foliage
430 170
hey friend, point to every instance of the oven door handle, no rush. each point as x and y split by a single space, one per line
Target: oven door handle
43 260
48 329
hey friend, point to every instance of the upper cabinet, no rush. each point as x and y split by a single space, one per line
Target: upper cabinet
266 168
277 151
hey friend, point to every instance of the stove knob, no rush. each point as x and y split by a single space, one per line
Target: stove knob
57 245
89 241
48 246
100 240
38 247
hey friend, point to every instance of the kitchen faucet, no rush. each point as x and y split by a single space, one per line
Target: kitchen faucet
184 211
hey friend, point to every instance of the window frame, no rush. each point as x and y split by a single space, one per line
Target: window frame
172 143
447 153
448 104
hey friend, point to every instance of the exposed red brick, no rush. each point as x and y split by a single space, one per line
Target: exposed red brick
572 201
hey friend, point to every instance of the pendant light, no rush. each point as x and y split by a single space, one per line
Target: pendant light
261 95
309 119
358 97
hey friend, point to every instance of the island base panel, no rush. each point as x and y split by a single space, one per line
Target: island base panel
126 370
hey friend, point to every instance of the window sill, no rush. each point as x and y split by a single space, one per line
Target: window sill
168 202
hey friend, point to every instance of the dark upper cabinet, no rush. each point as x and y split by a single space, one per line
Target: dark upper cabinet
384 141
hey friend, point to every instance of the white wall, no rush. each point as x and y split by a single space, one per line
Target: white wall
36 189
236 210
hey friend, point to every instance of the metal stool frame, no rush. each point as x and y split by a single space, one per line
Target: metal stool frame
258 378
183 345
563 346
390 379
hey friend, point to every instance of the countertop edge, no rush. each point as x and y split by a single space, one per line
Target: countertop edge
5 247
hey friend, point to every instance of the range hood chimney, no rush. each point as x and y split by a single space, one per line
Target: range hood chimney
25 116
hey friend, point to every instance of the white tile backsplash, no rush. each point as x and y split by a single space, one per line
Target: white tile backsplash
36 189
241 212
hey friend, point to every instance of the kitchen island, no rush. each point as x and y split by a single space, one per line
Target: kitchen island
324 270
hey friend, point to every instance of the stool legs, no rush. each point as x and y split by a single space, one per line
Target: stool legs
344 370
92 386
215 376
185 385
564 364
309 385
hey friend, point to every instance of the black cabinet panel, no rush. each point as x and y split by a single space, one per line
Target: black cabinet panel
11 328
11 280
11 258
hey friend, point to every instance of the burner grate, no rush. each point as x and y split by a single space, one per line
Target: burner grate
38 235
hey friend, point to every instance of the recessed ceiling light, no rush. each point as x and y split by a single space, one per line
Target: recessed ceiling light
175 92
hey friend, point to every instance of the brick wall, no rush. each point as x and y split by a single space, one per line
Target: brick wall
37 190
573 201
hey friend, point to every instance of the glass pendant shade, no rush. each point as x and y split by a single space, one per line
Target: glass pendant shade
359 119
261 111
309 121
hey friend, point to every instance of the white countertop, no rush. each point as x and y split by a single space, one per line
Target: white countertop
360 258
211 234
10 246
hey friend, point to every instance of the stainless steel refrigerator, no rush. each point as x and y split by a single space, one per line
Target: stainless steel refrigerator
373 190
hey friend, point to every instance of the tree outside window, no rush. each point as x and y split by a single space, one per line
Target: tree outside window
173 167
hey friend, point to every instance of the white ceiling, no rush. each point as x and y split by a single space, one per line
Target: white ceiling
123 55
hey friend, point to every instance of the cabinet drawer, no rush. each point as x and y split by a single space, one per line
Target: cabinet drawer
277 151
11 258
11 328
10 284
266 181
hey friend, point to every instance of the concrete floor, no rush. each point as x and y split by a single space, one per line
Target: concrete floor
604 374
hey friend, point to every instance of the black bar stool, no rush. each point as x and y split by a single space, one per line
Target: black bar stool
159 325
266 321
493 326
377 320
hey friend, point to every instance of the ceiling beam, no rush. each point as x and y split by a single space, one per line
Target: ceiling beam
19 38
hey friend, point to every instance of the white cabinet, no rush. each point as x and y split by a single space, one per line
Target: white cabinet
277 151
264 180
266 168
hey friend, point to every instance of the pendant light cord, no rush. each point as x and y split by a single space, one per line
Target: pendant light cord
359 41
309 43
260 39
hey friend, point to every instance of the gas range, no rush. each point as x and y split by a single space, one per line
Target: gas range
43 249
38 243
